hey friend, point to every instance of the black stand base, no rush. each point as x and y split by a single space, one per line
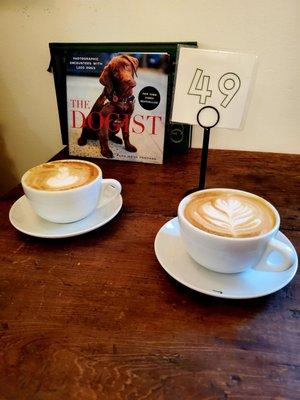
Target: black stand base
190 191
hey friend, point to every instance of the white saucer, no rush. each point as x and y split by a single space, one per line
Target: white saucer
252 283
23 218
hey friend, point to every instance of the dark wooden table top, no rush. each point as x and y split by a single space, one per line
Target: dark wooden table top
96 317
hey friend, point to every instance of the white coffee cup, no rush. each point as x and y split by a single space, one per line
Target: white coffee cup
233 254
73 204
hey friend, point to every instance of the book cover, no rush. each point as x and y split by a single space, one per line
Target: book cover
116 105
177 136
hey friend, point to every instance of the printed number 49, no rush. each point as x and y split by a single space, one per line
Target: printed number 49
229 84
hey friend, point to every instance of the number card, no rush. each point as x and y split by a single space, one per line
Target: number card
212 78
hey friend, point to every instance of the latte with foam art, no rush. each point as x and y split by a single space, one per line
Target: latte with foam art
60 175
230 214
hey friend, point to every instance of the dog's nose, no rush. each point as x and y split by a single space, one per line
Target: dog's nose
130 81
128 78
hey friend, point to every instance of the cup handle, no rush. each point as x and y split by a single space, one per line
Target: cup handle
110 183
288 257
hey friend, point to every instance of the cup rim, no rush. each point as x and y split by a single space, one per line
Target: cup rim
52 192
185 200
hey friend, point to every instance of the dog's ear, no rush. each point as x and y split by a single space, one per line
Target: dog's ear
106 78
134 62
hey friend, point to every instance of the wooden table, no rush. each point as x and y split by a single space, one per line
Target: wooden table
96 317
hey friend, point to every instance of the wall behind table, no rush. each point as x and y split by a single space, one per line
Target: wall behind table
29 128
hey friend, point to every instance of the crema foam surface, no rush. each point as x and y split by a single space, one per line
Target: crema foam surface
229 214
60 175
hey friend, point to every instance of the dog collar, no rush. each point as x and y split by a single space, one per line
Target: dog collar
117 99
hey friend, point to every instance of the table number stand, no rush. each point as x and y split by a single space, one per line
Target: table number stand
207 118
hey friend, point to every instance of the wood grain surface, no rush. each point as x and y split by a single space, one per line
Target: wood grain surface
95 316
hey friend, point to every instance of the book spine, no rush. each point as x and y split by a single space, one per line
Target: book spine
178 138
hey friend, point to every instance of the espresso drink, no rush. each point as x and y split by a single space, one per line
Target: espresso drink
229 214
60 175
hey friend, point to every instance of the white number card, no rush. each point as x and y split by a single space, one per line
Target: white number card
212 78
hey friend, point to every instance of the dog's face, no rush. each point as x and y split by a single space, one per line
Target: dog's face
118 75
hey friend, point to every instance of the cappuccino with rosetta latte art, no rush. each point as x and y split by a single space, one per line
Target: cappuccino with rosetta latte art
230 214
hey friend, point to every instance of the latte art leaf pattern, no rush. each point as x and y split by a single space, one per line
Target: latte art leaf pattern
229 214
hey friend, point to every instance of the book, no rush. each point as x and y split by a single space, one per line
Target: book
177 136
117 105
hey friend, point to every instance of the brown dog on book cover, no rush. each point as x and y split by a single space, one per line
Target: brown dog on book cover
113 108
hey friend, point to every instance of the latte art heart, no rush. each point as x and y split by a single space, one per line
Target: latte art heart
228 214
60 175
62 178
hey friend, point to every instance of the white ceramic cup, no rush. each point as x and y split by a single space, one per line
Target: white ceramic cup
231 255
70 205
